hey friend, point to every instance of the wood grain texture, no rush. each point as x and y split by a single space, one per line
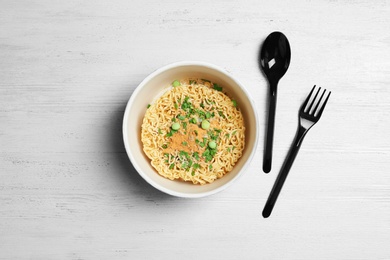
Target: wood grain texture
68 190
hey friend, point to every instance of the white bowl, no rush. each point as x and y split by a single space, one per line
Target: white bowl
152 87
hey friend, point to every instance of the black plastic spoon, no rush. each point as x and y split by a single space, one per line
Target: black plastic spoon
274 59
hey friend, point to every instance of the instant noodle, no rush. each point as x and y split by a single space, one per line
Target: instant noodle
193 132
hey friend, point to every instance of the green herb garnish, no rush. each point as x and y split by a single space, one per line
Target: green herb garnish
180 117
217 87
220 113
171 132
208 115
186 105
184 154
212 144
193 121
205 124
176 83
196 155
208 154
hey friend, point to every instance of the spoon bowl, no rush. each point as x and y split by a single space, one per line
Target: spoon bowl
274 60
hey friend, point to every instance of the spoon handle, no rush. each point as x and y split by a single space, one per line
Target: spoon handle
267 161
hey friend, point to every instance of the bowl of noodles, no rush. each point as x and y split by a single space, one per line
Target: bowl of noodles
190 129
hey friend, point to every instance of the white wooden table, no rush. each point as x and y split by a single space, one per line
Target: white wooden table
69 191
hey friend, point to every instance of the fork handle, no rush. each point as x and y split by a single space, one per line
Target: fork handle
284 171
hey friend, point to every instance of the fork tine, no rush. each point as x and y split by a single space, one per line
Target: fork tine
304 105
313 101
323 105
319 102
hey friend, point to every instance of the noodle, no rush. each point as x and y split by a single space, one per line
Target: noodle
193 132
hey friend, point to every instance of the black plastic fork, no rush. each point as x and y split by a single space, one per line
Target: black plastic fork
308 116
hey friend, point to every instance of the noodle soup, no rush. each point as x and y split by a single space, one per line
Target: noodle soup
193 132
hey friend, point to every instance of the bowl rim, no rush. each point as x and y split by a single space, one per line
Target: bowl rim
125 128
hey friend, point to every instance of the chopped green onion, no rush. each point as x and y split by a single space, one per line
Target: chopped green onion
176 83
148 106
234 103
217 87
186 105
212 144
212 135
171 133
175 126
165 146
171 166
184 165
184 143
220 113
208 154
201 114
208 115
196 156
205 124
184 153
